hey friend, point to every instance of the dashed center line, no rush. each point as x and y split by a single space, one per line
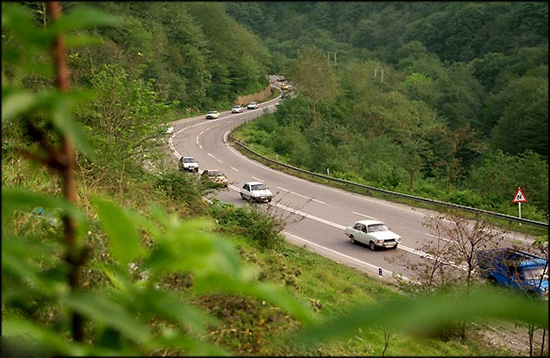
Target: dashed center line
300 195
442 238
364 215
211 155
235 169
258 179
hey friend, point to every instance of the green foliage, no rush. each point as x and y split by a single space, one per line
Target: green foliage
182 188
521 114
466 198
441 102
193 55
119 315
428 312
498 177
314 77
262 228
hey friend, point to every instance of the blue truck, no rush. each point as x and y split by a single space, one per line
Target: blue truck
516 269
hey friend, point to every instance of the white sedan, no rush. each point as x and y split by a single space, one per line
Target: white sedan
237 109
252 105
372 233
212 115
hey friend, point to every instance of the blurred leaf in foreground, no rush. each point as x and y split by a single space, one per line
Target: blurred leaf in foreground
428 312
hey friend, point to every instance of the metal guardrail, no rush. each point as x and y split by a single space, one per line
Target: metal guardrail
401 195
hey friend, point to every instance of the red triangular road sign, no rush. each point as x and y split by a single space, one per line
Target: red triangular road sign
519 198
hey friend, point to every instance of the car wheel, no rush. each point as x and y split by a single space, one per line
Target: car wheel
372 246
269 200
352 239
242 196
395 247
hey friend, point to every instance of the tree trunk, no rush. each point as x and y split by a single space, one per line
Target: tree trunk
73 257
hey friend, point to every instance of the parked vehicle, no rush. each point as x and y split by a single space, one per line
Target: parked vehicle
212 115
237 109
373 233
284 86
214 176
252 105
256 191
516 269
189 164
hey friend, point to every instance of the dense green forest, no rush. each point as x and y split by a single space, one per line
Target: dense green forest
108 250
444 100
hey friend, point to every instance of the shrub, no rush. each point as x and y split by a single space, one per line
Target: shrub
181 187
261 227
465 197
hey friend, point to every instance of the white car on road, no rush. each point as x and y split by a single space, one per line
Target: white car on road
256 191
237 109
252 105
212 115
372 233
189 164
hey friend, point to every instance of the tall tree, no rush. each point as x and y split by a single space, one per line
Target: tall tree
523 117
314 78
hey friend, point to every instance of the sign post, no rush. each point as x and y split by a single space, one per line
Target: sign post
519 198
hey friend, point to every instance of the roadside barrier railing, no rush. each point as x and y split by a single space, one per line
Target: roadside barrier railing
391 193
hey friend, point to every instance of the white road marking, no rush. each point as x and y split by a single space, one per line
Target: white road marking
435 236
235 169
211 155
258 179
364 215
302 196
200 146
197 139
309 216
219 161
374 268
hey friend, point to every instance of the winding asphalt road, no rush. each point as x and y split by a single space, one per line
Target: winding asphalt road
316 214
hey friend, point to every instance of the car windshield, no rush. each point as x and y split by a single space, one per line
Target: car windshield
189 160
257 187
533 273
212 112
377 227
236 107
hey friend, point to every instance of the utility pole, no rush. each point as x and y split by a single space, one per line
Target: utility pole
382 70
